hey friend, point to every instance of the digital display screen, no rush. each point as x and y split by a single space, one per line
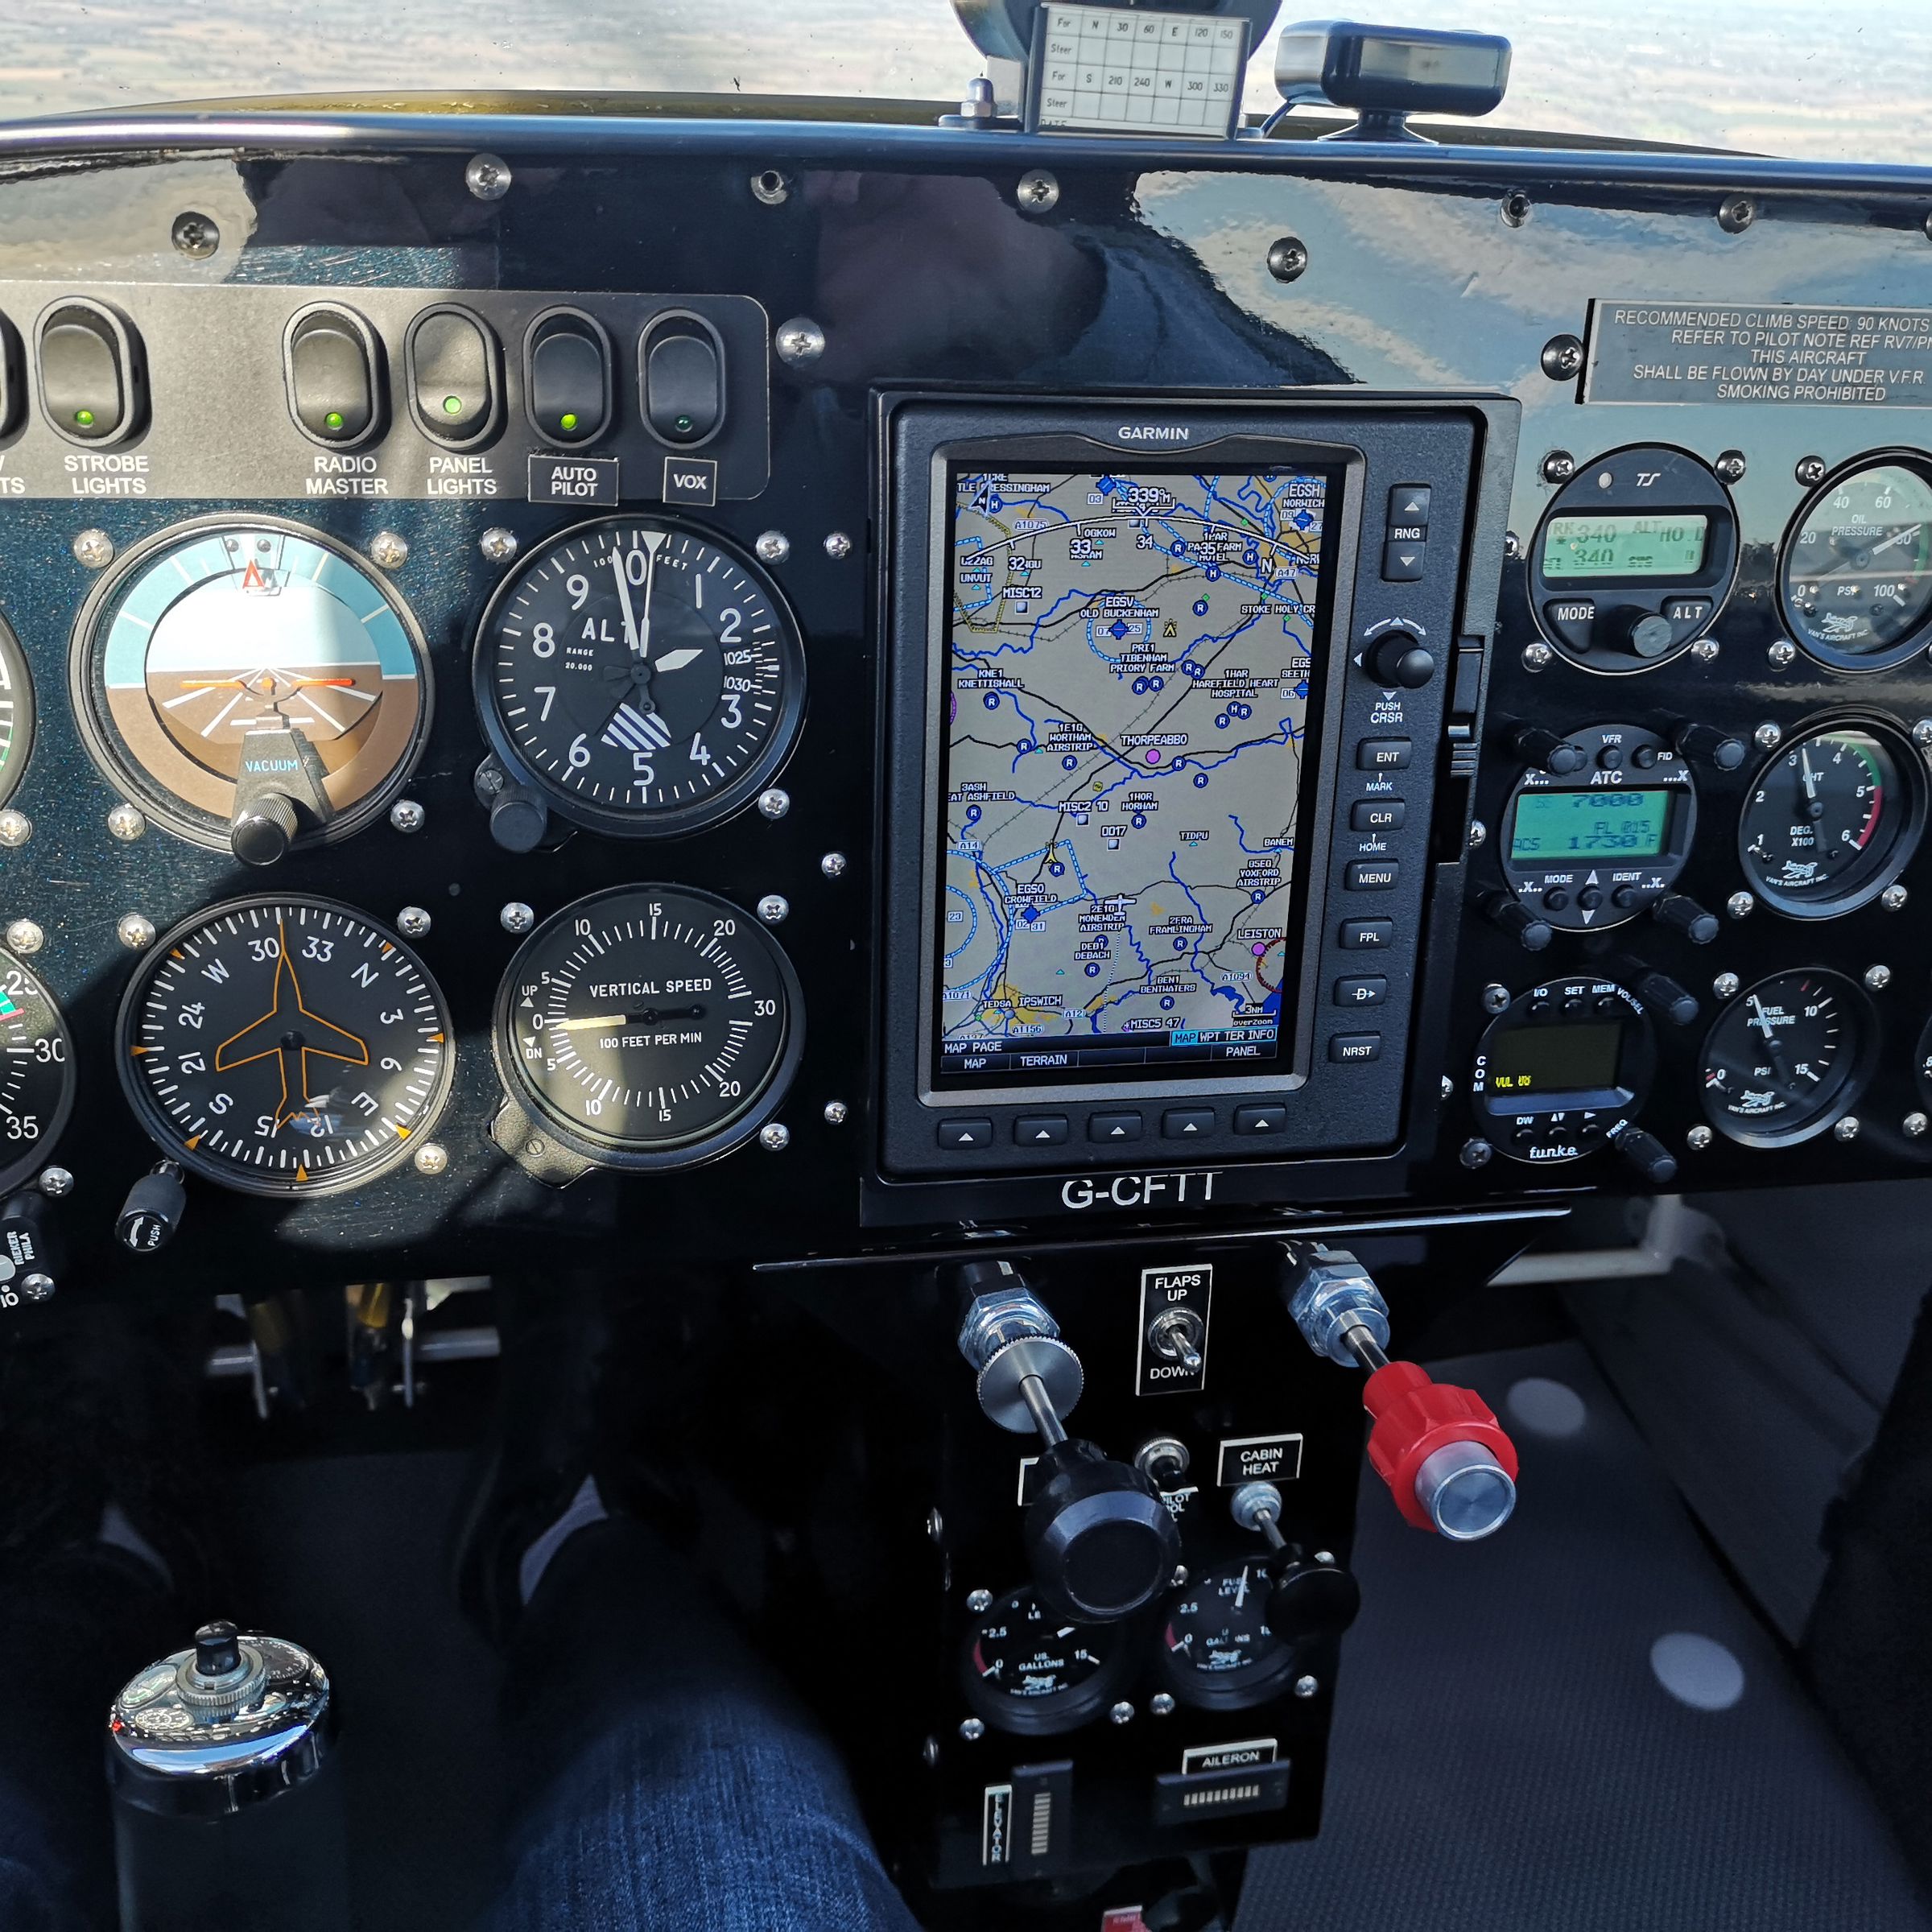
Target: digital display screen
1624 547
1130 673
1530 1063
1553 826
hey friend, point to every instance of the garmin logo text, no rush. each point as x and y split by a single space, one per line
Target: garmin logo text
1155 432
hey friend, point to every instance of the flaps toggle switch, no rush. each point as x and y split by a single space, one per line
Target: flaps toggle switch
93 375
567 378
333 365
456 389
681 380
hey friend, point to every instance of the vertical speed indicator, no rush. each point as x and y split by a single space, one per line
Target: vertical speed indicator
645 677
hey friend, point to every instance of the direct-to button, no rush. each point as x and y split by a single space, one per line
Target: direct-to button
1114 1129
1376 815
331 363
681 380
1402 563
965 1133
93 375
1266 1119
1346 1047
1361 989
567 378
1367 935
1383 754
455 392
1409 506
1188 1123
1040 1129
1372 875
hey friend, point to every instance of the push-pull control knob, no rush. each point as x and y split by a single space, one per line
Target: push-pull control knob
1663 994
1505 909
1399 658
1100 1541
519 820
1708 745
32 1254
1310 1595
1547 751
1446 1459
1682 913
150 1216
1648 1155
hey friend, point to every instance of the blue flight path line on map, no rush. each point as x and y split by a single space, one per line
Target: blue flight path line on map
1255 852
972 931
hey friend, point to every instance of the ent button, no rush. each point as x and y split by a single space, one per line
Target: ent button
332 382
454 393
1383 754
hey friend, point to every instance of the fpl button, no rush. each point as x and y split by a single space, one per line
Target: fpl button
330 360
1383 754
1367 935
455 392
567 378
965 1133
1040 1129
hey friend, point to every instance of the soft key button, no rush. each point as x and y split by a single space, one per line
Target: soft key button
330 360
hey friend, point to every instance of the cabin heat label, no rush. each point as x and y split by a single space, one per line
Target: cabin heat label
1712 351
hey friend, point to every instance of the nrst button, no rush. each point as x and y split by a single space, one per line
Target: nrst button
965 1133
1040 1129
1348 1046
1367 935
1383 754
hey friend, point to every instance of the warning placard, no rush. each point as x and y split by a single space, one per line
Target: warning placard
1711 352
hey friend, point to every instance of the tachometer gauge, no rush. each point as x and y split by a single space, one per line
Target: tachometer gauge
36 1073
649 1026
1786 1058
16 712
648 678
1857 576
1832 821
1025 1670
1215 1648
227 659
285 1045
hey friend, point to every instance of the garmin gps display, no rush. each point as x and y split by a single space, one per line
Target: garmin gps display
1128 685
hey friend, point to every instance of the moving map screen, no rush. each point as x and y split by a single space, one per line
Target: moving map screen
1130 670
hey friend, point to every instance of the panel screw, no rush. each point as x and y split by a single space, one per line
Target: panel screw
195 236
971 1729
1698 1138
930 1751
95 548
1513 545
498 545
770 186
1725 985
775 547
775 1136
1740 905
1563 358
388 550
1288 259
1847 1129
1479 834
773 908
1810 469
24 936
1122 1713
1705 651
1495 997
775 804
487 177
1537 656
16 828
1448 1086
1559 466
1921 734
534 1147
1736 214
135 930
127 824
1915 1125
1306 1686
978 1599
516 917
1783 655
838 546
836 1113
1729 466
1516 209
1477 1153
1894 898
405 815
37 1287
936 1526
1877 978
833 864
431 1159
1038 192
799 342
412 922
1768 735
1161 1704
1179 1580
57 1184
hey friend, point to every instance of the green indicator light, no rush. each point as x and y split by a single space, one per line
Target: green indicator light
85 418
684 425
333 420
569 421
452 406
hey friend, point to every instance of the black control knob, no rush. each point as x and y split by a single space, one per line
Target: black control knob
1547 751
1682 913
1663 994
1708 745
1100 1541
1648 1155
1650 635
1505 909
263 828
32 1254
1313 1597
1400 659
150 1216
217 1650
518 818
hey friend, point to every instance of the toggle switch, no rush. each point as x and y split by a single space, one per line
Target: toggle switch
332 365
93 375
567 378
455 389
681 379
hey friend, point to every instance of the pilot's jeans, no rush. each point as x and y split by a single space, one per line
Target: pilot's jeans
673 1784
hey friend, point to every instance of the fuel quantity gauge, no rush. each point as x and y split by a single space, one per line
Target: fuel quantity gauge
1027 1670
1215 1648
